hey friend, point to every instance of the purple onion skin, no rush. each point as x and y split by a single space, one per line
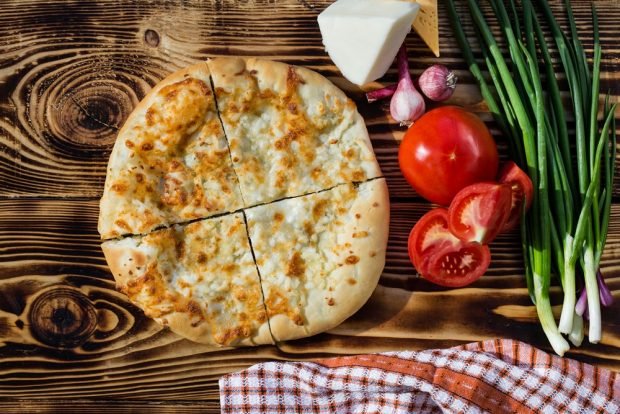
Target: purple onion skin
437 83
582 303
381 93
606 297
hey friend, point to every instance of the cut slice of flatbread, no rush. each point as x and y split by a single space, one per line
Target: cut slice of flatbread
199 279
290 130
170 162
320 256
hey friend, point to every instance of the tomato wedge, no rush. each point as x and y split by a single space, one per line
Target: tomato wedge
479 211
442 258
430 234
459 267
522 189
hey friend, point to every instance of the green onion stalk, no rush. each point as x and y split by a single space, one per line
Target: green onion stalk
554 238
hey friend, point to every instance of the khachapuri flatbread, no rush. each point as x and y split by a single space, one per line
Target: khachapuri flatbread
244 205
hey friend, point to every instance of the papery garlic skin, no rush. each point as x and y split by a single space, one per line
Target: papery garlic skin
407 103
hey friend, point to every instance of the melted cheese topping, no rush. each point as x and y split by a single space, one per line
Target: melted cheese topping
290 135
170 164
304 251
203 270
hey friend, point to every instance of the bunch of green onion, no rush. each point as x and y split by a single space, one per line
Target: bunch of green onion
565 231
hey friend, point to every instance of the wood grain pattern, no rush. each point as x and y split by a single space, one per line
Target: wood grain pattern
70 74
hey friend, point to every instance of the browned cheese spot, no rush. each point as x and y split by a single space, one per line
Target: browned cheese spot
318 210
122 224
184 284
331 302
278 216
229 268
358 215
197 196
174 165
333 141
201 258
298 320
351 281
147 146
316 173
233 229
360 234
351 260
359 175
150 117
375 204
293 79
129 144
139 177
292 107
179 247
174 193
261 316
308 228
373 254
240 295
194 308
119 187
280 179
296 266
266 94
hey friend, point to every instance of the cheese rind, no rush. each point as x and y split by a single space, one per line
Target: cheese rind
362 37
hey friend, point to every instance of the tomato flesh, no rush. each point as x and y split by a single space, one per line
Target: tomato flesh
442 258
522 189
446 150
457 268
479 211
430 234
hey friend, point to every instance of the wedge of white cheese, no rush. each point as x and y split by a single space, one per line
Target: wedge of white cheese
362 37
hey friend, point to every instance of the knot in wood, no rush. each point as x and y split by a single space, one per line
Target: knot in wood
151 37
62 317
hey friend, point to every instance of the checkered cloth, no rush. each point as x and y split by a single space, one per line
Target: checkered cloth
501 376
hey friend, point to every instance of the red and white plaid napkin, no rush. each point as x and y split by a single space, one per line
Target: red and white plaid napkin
501 376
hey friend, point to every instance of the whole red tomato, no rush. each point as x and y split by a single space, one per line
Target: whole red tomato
446 150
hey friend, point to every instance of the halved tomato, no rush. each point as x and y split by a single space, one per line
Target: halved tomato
442 258
459 267
430 234
522 189
479 211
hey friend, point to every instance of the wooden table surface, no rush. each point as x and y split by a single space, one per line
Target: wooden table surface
70 74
